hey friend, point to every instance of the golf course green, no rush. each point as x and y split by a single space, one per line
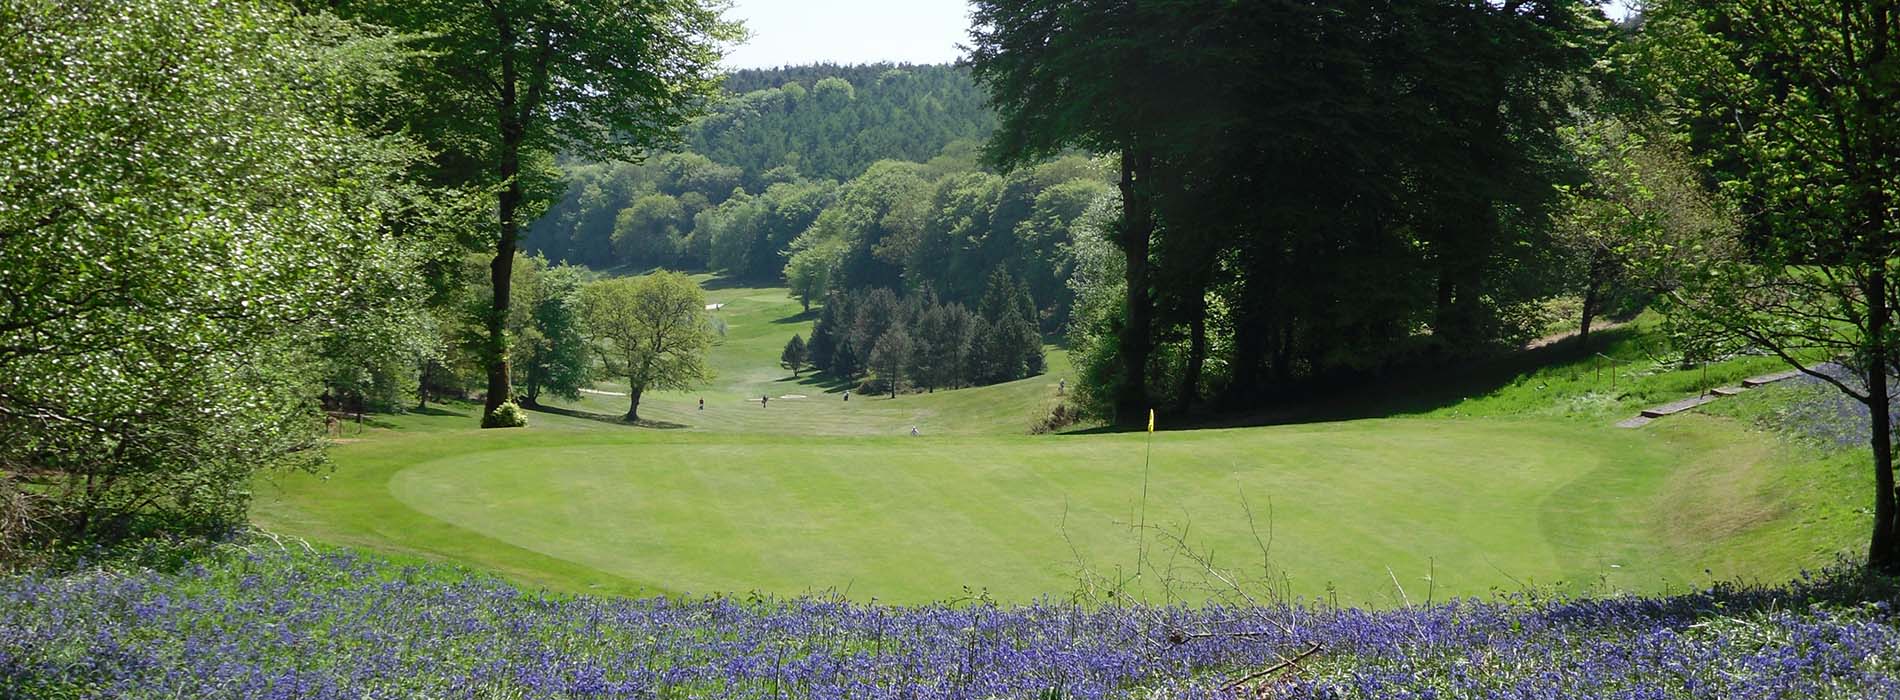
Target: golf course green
1522 482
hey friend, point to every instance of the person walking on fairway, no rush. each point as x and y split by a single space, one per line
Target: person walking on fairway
762 400
913 431
702 403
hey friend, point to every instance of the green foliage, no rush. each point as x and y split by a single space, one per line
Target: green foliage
603 79
648 233
935 344
833 122
810 270
186 216
1098 287
545 333
1640 211
507 415
1307 188
763 145
651 330
892 358
502 86
794 357
1806 145
875 215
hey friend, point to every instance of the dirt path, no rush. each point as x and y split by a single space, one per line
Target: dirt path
1554 338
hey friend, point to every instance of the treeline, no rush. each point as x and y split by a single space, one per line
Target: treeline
902 226
907 226
918 341
1309 192
783 146
831 122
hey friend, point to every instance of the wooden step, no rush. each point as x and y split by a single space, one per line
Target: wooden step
1753 382
1675 407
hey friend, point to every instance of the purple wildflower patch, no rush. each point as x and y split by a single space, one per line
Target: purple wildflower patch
342 625
1821 412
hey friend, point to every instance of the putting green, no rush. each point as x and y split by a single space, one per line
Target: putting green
820 494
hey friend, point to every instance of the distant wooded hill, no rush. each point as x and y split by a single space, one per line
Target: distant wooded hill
805 127
832 122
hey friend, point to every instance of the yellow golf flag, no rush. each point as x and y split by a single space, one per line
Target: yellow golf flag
1151 420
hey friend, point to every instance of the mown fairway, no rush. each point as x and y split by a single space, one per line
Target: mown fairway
816 493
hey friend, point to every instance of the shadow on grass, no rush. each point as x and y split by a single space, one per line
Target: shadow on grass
605 418
1400 391
799 317
724 282
821 382
1844 583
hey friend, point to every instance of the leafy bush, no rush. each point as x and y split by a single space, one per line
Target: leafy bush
507 415
1062 416
188 211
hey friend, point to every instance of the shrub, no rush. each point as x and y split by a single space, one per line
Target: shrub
1062 416
507 415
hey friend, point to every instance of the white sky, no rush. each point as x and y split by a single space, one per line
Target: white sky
792 32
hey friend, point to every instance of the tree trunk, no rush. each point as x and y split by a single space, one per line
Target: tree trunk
1131 400
633 403
500 275
1441 307
508 120
1589 314
422 387
1883 553
1190 391
1592 295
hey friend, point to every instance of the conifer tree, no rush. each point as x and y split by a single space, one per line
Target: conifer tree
794 357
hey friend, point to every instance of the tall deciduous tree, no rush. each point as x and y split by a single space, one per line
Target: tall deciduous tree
1642 209
547 335
1801 101
506 81
1097 74
652 330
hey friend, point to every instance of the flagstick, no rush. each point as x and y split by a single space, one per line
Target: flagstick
1141 529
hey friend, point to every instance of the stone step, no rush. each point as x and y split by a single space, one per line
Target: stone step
1636 422
1753 382
1675 407
1727 391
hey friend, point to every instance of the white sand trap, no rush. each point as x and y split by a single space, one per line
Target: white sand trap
794 396
715 307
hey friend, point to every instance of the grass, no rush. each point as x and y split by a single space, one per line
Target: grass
745 364
1515 480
